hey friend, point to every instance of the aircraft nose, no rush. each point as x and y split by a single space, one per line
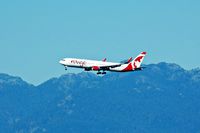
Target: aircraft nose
61 62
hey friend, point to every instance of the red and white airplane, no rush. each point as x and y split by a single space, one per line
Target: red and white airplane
102 66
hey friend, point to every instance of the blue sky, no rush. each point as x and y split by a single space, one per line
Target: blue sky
35 35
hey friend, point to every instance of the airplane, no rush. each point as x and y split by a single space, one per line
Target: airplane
102 66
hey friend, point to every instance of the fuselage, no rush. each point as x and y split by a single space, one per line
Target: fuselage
84 63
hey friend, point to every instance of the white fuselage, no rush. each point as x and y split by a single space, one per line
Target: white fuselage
84 63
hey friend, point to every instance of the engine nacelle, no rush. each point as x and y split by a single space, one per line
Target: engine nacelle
95 68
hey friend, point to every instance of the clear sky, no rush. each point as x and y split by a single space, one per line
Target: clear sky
35 35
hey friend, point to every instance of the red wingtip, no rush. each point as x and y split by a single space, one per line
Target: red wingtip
104 60
144 53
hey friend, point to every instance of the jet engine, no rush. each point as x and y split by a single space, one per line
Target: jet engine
95 68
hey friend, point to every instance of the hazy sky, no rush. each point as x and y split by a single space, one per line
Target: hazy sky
35 35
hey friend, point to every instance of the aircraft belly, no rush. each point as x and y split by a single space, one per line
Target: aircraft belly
74 65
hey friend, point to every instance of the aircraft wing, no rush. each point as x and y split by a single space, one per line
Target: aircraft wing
112 66
102 67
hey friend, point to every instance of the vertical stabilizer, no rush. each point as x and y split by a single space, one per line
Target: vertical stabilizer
136 63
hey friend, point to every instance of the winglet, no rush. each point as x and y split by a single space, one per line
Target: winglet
104 60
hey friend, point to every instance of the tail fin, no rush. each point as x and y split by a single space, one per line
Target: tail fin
136 63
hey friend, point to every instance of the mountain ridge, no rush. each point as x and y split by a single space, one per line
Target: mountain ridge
4 76
162 98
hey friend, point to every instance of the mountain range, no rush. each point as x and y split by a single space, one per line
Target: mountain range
163 98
